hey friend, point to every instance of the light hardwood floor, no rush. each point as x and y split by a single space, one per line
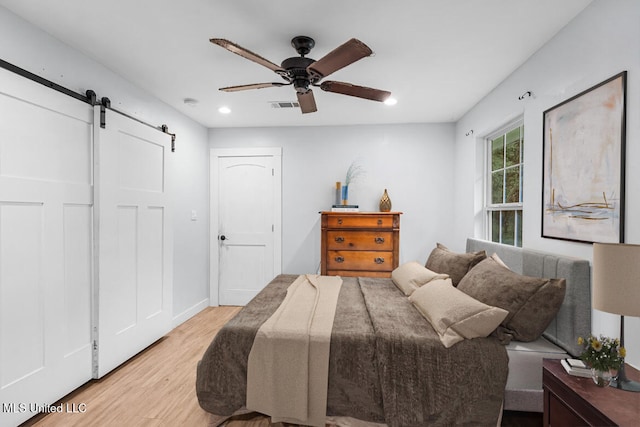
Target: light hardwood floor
155 388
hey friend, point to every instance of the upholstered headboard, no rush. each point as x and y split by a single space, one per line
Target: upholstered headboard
574 318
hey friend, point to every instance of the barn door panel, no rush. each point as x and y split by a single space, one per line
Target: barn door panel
134 238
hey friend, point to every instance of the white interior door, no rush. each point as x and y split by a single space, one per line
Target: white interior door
134 238
245 226
45 245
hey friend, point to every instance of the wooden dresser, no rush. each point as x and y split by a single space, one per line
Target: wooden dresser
574 401
359 243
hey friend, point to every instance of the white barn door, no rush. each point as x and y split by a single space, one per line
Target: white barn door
134 238
45 245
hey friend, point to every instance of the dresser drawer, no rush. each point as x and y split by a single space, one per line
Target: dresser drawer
360 260
360 240
360 221
358 273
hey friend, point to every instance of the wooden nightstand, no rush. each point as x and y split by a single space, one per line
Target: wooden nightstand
576 401
360 243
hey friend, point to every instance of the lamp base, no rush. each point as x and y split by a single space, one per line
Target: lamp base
626 385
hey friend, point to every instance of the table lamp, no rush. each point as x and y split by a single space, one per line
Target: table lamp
616 289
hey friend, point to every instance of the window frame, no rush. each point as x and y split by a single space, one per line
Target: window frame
488 206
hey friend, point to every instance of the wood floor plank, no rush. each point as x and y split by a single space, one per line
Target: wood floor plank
154 388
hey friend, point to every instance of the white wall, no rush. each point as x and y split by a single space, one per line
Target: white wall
599 43
30 48
413 162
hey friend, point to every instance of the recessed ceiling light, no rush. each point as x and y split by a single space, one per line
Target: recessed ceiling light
391 101
190 102
224 110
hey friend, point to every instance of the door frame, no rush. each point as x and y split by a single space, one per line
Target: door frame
214 252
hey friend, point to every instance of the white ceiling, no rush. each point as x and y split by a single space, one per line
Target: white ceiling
437 57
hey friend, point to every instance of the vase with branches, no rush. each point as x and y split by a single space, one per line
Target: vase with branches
354 172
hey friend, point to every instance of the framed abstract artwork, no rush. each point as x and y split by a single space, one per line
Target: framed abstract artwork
583 165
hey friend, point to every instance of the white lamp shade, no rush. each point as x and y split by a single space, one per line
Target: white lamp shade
616 278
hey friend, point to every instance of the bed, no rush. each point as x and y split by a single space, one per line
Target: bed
523 391
387 363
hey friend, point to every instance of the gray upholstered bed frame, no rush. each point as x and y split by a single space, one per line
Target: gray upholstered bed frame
524 387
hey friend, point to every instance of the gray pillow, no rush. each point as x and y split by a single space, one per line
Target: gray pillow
532 302
456 265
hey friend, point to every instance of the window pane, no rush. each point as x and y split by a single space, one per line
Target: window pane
521 179
497 153
519 228
508 227
513 147
522 144
495 226
506 173
512 191
497 179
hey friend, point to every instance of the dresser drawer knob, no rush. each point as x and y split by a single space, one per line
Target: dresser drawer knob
379 222
339 259
339 239
378 260
379 240
340 221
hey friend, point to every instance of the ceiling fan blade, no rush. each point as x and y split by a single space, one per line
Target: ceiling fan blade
251 86
357 91
245 53
338 58
307 102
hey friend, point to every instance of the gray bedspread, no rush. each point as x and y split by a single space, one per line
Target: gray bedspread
386 364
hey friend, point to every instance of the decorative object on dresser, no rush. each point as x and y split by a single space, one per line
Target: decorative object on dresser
385 202
359 243
604 356
575 401
616 289
576 367
345 208
354 172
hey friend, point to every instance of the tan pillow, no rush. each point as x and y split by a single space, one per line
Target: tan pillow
532 302
410 276
454 315
497 259
456 265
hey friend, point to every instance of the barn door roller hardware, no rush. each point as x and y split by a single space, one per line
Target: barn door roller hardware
105 103
165 129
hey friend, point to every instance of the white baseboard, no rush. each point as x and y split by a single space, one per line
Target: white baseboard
190 312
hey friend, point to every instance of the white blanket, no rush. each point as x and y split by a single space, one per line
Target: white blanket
288 364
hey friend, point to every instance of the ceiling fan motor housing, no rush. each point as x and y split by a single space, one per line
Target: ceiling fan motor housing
296 68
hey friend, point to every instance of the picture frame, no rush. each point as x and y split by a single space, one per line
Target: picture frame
583 173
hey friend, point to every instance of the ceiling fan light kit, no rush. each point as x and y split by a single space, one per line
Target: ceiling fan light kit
302 73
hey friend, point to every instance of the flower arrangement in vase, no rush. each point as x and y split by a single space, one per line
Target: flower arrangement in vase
604 356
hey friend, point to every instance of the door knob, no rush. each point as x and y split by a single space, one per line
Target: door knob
222 237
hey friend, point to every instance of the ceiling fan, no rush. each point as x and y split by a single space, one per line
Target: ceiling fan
303 72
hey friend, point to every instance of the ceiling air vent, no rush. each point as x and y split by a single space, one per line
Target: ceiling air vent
284 104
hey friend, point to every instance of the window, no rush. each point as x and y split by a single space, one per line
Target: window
504 185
